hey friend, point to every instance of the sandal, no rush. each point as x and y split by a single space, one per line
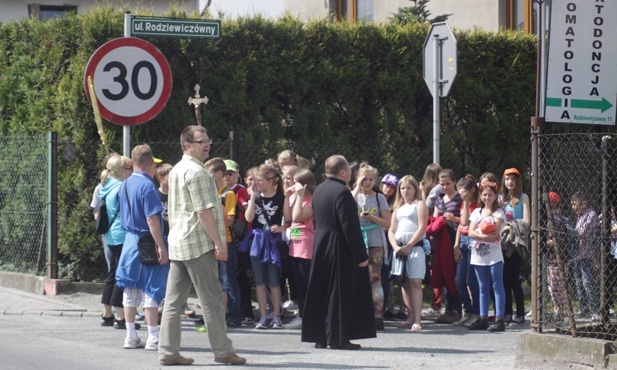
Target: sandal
405 325
416 327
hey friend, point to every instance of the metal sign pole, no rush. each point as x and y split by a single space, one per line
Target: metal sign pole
126 129
436 94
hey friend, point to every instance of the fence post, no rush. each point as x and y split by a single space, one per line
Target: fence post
52 206
537 122
605 287
235 140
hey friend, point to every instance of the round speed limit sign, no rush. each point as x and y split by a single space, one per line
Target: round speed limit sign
132 80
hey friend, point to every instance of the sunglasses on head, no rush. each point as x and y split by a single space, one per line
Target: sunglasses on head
491 184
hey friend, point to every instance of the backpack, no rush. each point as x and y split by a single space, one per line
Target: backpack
238 227
102 222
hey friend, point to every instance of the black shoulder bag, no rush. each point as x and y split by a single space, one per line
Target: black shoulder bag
148 252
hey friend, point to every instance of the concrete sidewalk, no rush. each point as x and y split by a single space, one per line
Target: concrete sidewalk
19 302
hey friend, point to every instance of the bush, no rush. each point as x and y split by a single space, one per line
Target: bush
318 88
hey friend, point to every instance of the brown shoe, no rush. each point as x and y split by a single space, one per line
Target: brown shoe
232 360
177 361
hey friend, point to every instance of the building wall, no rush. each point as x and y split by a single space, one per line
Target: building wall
14 10
308 10
487 14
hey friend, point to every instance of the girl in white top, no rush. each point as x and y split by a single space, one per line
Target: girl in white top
406 236
485 228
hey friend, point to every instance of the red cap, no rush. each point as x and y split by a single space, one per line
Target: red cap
511 171
554 197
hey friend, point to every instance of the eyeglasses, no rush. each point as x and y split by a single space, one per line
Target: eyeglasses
230 173
201 142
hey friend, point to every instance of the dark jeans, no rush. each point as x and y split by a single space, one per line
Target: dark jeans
287 278
512 283
587 290
453 303
242 275
233 292
112 293
301 268
466 277
611 283
385 280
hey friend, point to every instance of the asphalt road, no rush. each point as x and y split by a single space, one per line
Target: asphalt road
68 336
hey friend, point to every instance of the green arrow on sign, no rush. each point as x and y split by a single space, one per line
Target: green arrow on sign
553 102
603 104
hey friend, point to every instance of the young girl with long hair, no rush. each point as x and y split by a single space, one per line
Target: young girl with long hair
516 207
448 205
374 218
466 281
388 187
288 284
406 236
266 209
485 228
302 235
430 186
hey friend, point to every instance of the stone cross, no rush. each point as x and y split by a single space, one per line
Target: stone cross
197 101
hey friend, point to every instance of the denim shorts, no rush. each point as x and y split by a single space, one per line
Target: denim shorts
266 272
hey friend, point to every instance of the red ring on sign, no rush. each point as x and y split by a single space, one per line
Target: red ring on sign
158 106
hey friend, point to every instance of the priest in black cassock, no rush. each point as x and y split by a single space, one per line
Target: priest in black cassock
339 304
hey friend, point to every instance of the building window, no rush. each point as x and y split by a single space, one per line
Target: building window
355 10
521 15
45 12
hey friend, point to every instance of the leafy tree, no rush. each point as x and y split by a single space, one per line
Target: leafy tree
417 13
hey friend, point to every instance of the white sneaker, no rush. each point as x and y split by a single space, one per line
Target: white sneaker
264 323
130 343
277 323
430 313
290 305
295 323
152 344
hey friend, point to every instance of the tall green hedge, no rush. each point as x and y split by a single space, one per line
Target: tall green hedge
350 87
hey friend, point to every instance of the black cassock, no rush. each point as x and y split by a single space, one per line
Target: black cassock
339 304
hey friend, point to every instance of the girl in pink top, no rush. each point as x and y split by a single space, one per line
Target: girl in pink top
301 239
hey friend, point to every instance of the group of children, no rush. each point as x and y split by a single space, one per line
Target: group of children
461 227
404 224
465 238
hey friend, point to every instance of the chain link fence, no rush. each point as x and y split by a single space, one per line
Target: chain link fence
23 186
80 256
577 264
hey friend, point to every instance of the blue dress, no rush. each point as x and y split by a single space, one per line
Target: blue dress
139 200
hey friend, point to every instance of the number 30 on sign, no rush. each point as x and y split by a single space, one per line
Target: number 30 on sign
132 80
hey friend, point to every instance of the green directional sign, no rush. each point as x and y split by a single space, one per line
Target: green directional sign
175 27
581 73
602 105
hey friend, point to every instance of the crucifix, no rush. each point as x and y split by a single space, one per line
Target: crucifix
197 101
